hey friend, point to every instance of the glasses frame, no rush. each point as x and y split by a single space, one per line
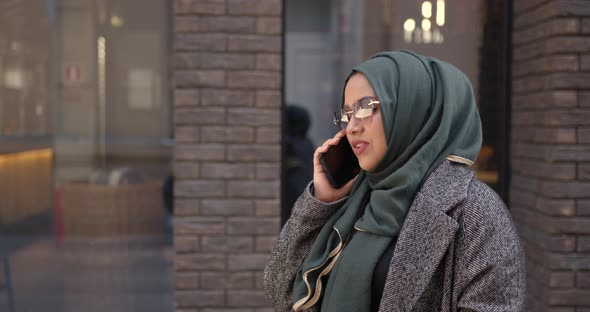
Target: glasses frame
343 117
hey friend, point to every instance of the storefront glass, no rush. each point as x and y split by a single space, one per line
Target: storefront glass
325 38
85 152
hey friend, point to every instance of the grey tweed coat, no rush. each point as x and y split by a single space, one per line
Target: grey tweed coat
457 251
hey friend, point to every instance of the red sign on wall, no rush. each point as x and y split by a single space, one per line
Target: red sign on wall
72 73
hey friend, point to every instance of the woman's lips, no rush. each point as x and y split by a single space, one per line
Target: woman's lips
359 146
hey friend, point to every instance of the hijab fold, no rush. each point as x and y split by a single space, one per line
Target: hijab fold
429 113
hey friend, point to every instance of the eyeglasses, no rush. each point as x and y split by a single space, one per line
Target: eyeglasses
362 111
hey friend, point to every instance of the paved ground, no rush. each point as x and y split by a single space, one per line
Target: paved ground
91 275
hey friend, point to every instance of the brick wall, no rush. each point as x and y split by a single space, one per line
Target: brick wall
550 185
227 73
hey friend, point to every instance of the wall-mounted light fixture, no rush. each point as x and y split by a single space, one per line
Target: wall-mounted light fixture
427 33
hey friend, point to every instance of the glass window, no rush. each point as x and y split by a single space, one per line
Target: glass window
325 38
85 153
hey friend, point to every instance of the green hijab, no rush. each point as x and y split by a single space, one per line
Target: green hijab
429 113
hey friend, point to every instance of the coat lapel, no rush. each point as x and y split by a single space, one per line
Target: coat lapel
425 235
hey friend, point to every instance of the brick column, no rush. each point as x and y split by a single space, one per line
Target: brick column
227 73
550 185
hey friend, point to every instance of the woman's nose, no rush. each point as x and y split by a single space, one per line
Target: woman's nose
353 126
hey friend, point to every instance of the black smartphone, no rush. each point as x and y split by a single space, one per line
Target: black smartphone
340 163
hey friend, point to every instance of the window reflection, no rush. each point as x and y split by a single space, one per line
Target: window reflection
85 150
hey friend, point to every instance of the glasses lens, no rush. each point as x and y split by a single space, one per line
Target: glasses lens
363 108
341 119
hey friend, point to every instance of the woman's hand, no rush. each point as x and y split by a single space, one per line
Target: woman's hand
323 190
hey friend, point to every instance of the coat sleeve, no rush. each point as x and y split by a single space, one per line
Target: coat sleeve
490 259
294 243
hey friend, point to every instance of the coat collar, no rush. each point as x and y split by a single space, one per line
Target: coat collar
426 235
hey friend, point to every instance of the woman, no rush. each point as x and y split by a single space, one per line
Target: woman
414 231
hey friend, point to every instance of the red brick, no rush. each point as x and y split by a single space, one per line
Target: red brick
268 135
253 226
227 207
544 135
227 244
584 171
527 118
255 7
548 242
186 97
259 280
187 281
249 152
569 261
269 25
553 63
199 262
199 225
549 28
584 98
187 60
551 9
555 207
583 207
218 280
199 6
233 24
253 117
584 243
556 45
254 79
556 171
268 171
545 99
561 279
186 24
200 152
524 183
199 78
523 6
269 61
228 170
199 188
583 280
265 243
200 116
565 189
200 42
199 298
247 298
186 244
187 134
528 51
186 207
254 43
522 198
567 153
220 134
228 61
221 97
567 297
585 62
250 189
268 207
269 98
247 262
186 170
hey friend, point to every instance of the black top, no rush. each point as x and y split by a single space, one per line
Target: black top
380 275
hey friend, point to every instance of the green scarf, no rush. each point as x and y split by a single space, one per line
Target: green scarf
429 113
